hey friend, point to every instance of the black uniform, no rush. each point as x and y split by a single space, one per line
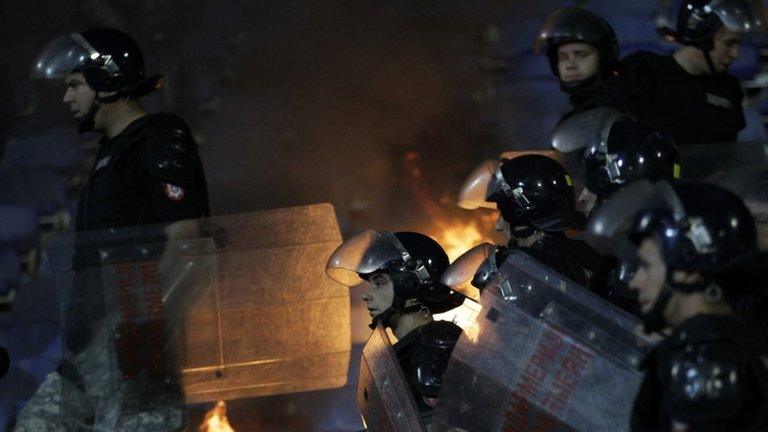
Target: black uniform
423 355
611 92
149 173
689 108
573 259
710 374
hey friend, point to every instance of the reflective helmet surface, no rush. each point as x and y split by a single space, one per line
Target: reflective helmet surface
424 249
109 59
710 231
414 261
699 20
633 150
539 189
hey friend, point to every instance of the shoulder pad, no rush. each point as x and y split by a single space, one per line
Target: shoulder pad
439 334
429 358
171 150
704 381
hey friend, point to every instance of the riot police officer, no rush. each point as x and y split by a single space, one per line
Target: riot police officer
535 198
615 150
689 94
146 171
583 53
693 257
403 271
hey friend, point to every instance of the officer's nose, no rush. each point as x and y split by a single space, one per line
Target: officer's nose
634 283
67 96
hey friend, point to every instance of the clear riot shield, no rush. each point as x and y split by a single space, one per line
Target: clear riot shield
383 393
547 355
741 167
202 310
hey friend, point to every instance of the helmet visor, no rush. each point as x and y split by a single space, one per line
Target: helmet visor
740 16
608 229
363 254
479 186
585 130
476 265
569 24
59 58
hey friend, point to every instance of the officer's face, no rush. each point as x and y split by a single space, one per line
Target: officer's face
577 61
651 273
379 295
79 96
726 49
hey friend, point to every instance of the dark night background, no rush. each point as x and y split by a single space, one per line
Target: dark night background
380 107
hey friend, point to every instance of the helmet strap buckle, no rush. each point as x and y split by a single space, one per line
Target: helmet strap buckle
612 169
422 272
521 199
699 236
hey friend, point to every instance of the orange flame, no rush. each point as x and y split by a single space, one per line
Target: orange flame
216 419
458 238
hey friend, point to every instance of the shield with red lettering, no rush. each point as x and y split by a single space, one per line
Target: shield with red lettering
383 394
544 355
201 310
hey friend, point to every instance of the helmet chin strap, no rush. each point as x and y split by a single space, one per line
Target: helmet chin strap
87 123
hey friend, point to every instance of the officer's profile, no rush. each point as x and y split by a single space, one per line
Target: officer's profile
583 54
146 172
402 271
690 95
692 261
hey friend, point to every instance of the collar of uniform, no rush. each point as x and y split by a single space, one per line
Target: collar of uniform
129 130
415 335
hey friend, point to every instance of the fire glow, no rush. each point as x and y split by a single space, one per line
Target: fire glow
458 238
